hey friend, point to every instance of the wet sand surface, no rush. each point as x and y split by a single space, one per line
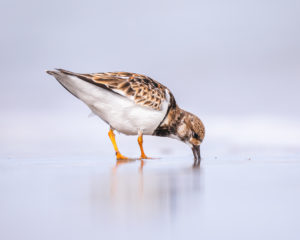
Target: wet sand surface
93 198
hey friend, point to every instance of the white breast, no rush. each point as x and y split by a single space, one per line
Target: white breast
121 113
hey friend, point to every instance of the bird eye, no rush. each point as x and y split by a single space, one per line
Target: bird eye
195 135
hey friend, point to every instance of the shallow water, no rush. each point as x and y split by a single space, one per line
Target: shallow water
92 198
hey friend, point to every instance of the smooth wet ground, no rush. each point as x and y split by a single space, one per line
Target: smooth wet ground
92 198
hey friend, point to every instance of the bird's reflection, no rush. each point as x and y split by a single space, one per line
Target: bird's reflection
138 188
126 161
115 178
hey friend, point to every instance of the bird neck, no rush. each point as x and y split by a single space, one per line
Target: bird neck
172 120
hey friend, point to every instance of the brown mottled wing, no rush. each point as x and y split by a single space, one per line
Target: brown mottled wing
142 89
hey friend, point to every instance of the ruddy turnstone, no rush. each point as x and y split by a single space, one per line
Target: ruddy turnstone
134 104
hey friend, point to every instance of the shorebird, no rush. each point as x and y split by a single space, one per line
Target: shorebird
134 104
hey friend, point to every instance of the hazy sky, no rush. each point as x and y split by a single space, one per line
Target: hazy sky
216 56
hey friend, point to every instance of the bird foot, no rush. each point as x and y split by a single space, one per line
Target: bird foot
120 156
143 156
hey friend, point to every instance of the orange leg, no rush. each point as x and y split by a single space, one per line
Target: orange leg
113 141
140 141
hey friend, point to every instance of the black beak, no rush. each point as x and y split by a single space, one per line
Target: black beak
197 156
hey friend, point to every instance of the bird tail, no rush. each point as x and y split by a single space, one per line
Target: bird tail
60 72
60 76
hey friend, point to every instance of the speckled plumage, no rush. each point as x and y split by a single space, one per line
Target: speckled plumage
142 89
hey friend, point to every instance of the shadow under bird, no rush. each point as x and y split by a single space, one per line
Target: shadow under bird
134 104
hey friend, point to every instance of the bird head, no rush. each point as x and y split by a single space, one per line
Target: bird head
191 131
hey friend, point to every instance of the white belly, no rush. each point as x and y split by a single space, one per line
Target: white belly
121 113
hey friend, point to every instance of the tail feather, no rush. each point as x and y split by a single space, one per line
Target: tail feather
51 72
61 73
68 72
81 76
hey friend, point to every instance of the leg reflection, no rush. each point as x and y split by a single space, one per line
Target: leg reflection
118 180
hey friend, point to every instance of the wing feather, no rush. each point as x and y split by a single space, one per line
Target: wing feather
142 89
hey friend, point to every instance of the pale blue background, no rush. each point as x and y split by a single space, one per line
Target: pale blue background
236 64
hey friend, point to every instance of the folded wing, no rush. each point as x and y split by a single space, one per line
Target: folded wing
141 89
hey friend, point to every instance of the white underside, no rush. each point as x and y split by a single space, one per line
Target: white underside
120 112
